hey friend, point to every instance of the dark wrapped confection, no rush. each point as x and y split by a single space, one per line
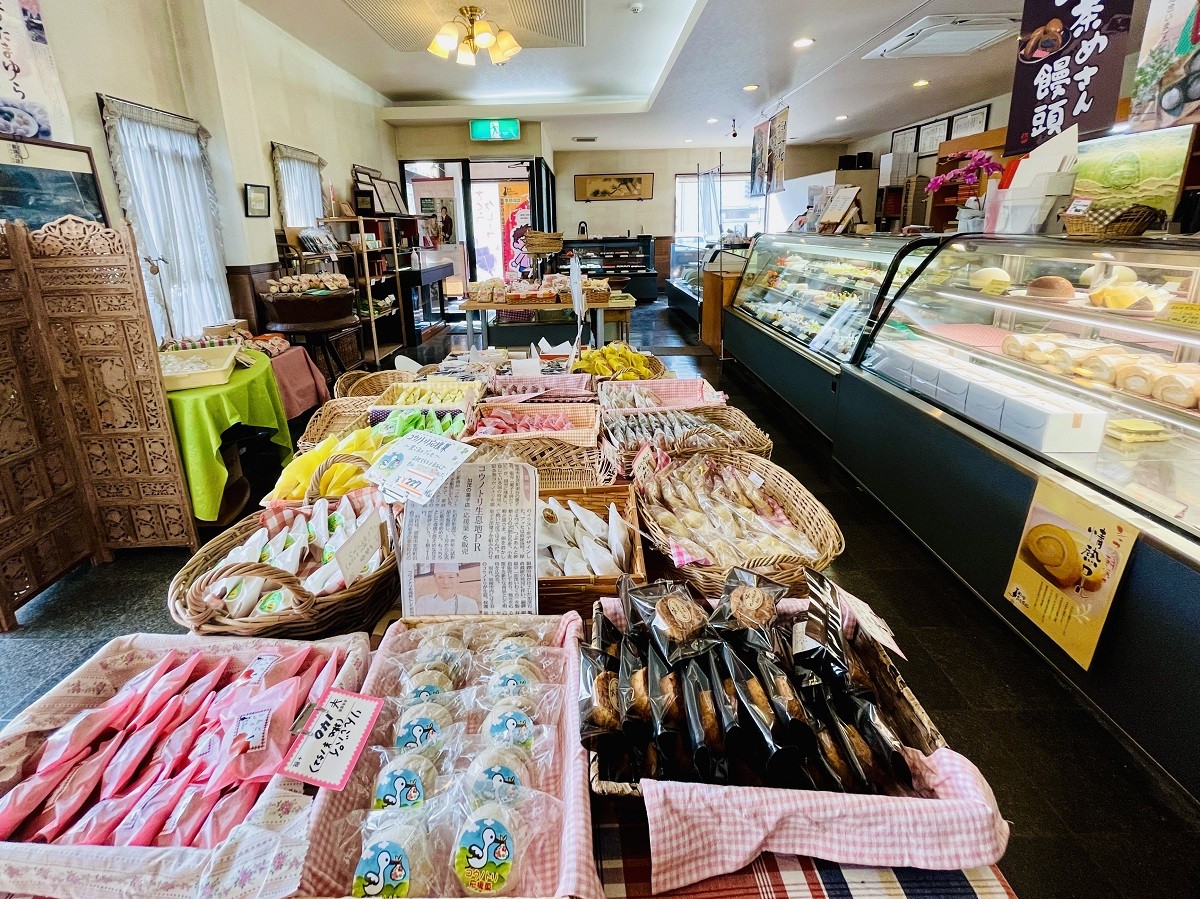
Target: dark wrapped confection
634 625
724 698
778 765
666 713
747 608
703 730
885 746
818 643
678 622
791 716
847 761
610 640
598 713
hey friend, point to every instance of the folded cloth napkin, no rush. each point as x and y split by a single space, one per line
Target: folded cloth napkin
701 830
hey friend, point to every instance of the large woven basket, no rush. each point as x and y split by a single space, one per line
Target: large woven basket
578 388
560 466
754 439
1132 222
800 506
657 370
687 393
343 384
472 391
558 595
543 243
378 381
337 417
584 419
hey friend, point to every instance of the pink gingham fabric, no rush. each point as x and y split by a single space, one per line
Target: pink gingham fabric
700 830
334 848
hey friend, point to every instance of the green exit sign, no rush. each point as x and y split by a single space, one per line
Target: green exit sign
495 129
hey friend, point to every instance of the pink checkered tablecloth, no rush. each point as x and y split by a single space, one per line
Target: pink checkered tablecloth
621 841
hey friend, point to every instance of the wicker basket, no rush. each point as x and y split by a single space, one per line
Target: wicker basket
561 466
531 299
555 388
800 506
688 393
341 387
337 417
543 243
558 595
584 419
754 439
593 296
914 726
1134 221
377 382
472 392
657 370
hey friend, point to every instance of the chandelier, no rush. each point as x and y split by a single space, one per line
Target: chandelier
468 33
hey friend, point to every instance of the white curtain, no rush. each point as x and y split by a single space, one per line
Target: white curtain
298 184
167 193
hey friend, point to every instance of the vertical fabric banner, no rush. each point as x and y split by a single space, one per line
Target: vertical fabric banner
777 151
1068 69
760 158
1166 86
514 223
32 104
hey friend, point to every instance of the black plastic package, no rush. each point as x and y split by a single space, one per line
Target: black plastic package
778 765
667 718
677 621
747 608
817 640
598 711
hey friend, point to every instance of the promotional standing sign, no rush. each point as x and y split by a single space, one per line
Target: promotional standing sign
1068 567
1168 72
1068 69
31 97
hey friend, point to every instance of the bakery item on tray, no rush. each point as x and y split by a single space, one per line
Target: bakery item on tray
751 606
1139 378
679 617
1038 351
981 278
1070 354
1136 430
1014 344
1055 550
1120 274
1178 388
1050 287
1104 366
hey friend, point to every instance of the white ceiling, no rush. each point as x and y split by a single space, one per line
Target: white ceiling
651 80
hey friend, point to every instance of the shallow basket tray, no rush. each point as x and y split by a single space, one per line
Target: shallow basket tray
687 393
657 370
342 385
578 388
557 595
337 417
377 382
584 419
754 439
560 466
472 391
800 506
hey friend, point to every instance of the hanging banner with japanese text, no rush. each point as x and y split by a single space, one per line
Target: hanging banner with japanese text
1068 69
31 97
1068 567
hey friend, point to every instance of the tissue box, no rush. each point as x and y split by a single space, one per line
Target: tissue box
1052 425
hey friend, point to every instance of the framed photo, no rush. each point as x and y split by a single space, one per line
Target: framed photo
398 196
973 121
42 180
387 200
904 141
930 136
638 186
258 201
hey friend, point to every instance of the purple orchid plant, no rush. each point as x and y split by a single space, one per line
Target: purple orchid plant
978 164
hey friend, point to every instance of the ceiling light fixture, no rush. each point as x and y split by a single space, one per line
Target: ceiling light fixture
921 82
687 140
750 87
803 42
711 121
840 118
468 33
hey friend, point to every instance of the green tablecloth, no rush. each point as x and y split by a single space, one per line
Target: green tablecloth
203 414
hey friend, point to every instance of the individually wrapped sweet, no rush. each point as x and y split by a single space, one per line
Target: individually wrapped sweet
230 811
406 779
397 858
620 539
498 633
599 699
60 808
678 622
776 764
188 817
540 703
666 715
257 733
509 675
146 818
748 604
818 642
703 729
595 526
793 722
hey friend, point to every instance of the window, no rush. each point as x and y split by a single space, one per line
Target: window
167 193
298 183
701 210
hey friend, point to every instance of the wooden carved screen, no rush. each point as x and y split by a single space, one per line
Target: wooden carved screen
44 512
88 282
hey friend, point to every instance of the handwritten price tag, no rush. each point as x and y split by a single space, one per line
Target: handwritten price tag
1186 315
416 465
995 288
353 555
875 627
334 737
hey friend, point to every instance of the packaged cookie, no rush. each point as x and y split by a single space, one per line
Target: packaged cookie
405 780
775 763
678 622
426 728
724 698
703 728
610 639
747 608
530 766
541 665
599 699
542 704
885 746
835 743
667 721
497 773
513 630
818 642
397 859
410 639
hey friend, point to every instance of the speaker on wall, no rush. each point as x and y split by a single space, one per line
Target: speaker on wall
846 162
865 161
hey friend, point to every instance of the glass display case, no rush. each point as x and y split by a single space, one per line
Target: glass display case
688 255
818 291
1085 354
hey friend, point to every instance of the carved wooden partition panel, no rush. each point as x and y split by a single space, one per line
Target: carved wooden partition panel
44 512
87 281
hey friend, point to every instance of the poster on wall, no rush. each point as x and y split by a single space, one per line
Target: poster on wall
1068 566
31 97
1068 70
438 197
768 149
1145 168
514 218
1166 84
43 181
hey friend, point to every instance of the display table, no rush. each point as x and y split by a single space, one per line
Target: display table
622 844
617 303
301 384
202 414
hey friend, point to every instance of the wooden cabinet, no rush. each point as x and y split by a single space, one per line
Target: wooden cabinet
719 290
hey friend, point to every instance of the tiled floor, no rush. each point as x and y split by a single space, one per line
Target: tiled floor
1087 819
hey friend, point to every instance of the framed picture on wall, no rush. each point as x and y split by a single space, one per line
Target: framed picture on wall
387 200
638 186
904 141
257 200
42 180
973 121
930 136
398 196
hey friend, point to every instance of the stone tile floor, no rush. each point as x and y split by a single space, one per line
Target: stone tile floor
1088 819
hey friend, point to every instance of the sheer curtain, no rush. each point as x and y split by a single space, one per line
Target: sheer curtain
167 193
298 184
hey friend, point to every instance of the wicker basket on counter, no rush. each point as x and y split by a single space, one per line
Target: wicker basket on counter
1098 222
584 419
687 393
337 417
561 466
543 243
729 418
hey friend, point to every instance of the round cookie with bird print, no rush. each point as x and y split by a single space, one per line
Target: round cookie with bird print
485 854
404 782
385 869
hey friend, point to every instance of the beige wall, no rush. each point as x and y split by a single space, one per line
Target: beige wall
452 141
655 216
809 159
246 80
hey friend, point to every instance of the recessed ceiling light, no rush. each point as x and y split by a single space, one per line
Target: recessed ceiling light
687 140
584 140
750 87
712 121
840 118
803 42
921 82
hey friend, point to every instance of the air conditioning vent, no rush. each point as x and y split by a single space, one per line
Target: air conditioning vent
584 140
949 36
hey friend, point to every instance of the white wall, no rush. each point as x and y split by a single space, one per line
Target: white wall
655 216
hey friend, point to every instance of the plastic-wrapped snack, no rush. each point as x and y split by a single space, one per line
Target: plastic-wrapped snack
542 665
818 643
834 742
774 762
397 858
724 699
793 724
405 780
635 626
529 766
748 607
703 727
885 747
411 639
610 638
667 719
497 773
541 703
599 699
678 622
427 728
446 650
515 630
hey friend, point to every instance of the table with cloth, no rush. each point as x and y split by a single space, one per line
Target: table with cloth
202 414
621 840
301 384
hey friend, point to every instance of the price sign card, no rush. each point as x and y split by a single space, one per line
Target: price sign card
333 739
355 554
416 465
875 627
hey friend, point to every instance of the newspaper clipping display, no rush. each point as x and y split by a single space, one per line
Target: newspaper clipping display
470 549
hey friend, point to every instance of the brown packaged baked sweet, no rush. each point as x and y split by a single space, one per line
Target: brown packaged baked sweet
678 622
